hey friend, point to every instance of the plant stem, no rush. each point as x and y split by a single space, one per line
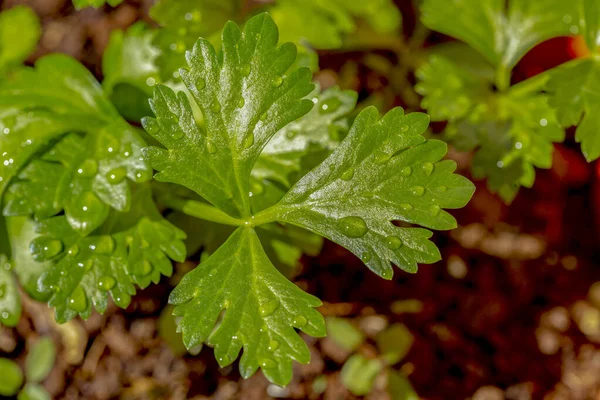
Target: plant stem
502 77
201 210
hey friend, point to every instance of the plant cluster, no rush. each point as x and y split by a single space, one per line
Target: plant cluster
237 136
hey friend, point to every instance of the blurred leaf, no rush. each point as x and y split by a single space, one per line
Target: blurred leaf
399 387
95 3
33 391
358 374
394 343
130 71
502 31
10 298
344 333
167 330
19 33
12 377
40 360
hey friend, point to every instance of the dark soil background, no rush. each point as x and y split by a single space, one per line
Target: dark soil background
510 312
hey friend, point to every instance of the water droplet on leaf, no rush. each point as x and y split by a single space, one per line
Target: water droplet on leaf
273 345
200 83
268 307
366 256
245 69
142 175
88 168
241 102
44 248
248 140
406 206
417 191
393 242
428 168
268 363
404 128
215 106
406 171
348 174
106 283
299 321
105 245
353 227
146 268
442 189
277 81
330 105
210 146
115 176
435 210
78 300
73 250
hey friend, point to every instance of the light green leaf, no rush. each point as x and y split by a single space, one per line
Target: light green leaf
40 360
19 33
10 298
575 88
344 333
95 3
384 171
502 31
244 99
358 374
33 391
261 308
590 23
131 248
399 387
12 377
394 343
324 23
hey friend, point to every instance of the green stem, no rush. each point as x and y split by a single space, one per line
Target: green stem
201 210
502 78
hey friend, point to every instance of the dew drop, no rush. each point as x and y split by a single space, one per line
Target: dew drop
406 172
330 105
177 134
428 168
105 245
442 189
152 127
73 250
291 134
106 283
248 140
78 300
44 248
381 157
268 363
273 345
277 81
268 307
115 176
210 146
88 168
403 128
366 256
406 206
245 69
417 191
5 315
225 360
348 174
142 175
435 210
393 242
241 102
215 106
353 227
299 321
200 83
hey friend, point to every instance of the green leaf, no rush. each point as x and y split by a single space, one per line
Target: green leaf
394 343
19 33
10 298
33 391
502 31
358 374
590 23
130 71
22 232
261 308
325 23
12 377
344 333
131 248
575 88
244 99
399 387
383 171
40 360
79 4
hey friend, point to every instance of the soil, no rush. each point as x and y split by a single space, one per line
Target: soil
510 312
